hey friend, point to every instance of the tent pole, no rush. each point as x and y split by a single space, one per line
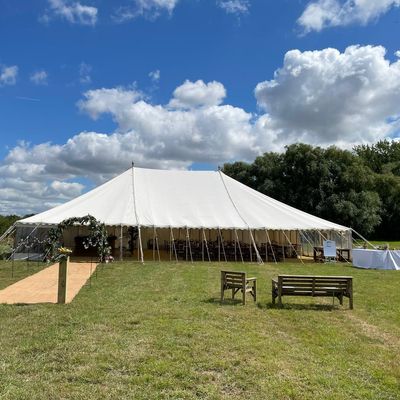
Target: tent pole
141 246
250 250
270 243
205 242
219 249
170 246
363 238
173 244
158 247
188 241
345 259
301 242
322 235
259 259
120 242
307 239
186 247
266 246
23 242
234 241
240 250
7 232
283 249
138 249
154 243
202 247
222 242
297 254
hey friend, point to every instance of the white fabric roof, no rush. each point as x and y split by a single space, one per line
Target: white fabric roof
194 199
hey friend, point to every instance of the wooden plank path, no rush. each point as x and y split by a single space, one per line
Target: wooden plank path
42 287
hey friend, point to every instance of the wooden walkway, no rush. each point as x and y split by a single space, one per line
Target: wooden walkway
42 287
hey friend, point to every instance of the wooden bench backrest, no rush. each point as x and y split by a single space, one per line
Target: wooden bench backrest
233 278
315 283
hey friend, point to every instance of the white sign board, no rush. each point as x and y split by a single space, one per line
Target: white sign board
329 248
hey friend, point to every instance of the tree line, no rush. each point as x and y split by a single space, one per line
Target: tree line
6 221
358 188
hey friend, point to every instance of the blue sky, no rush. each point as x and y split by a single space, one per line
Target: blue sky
87 86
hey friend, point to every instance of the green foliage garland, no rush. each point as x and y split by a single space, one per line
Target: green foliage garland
97 236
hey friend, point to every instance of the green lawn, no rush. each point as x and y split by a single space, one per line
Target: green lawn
392 245
157 331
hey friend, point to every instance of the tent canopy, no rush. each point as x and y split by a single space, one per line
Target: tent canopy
193 199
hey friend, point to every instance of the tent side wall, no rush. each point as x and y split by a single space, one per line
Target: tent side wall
189 244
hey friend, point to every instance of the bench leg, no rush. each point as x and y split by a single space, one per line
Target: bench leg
273 294
255 290
233 294
351 301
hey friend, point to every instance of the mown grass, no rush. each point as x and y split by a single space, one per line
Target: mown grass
157 331
392 245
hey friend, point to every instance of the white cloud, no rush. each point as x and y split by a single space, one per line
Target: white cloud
198 94
67 189
331 97
322 14
39 77
84 73
236 7
71 11
155 76
150 9
8 75
319 97
115 101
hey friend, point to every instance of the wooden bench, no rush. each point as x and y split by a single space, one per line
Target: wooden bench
315 286
235 281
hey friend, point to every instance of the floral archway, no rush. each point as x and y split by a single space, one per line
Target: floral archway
97 236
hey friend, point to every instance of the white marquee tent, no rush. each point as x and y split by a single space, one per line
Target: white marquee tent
197 200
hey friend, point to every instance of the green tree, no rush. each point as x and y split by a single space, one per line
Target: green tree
331 183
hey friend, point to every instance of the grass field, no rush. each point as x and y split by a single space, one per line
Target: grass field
157 331
392 245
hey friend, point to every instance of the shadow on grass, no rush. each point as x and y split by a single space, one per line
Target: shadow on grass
296 306
226 302
269 305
